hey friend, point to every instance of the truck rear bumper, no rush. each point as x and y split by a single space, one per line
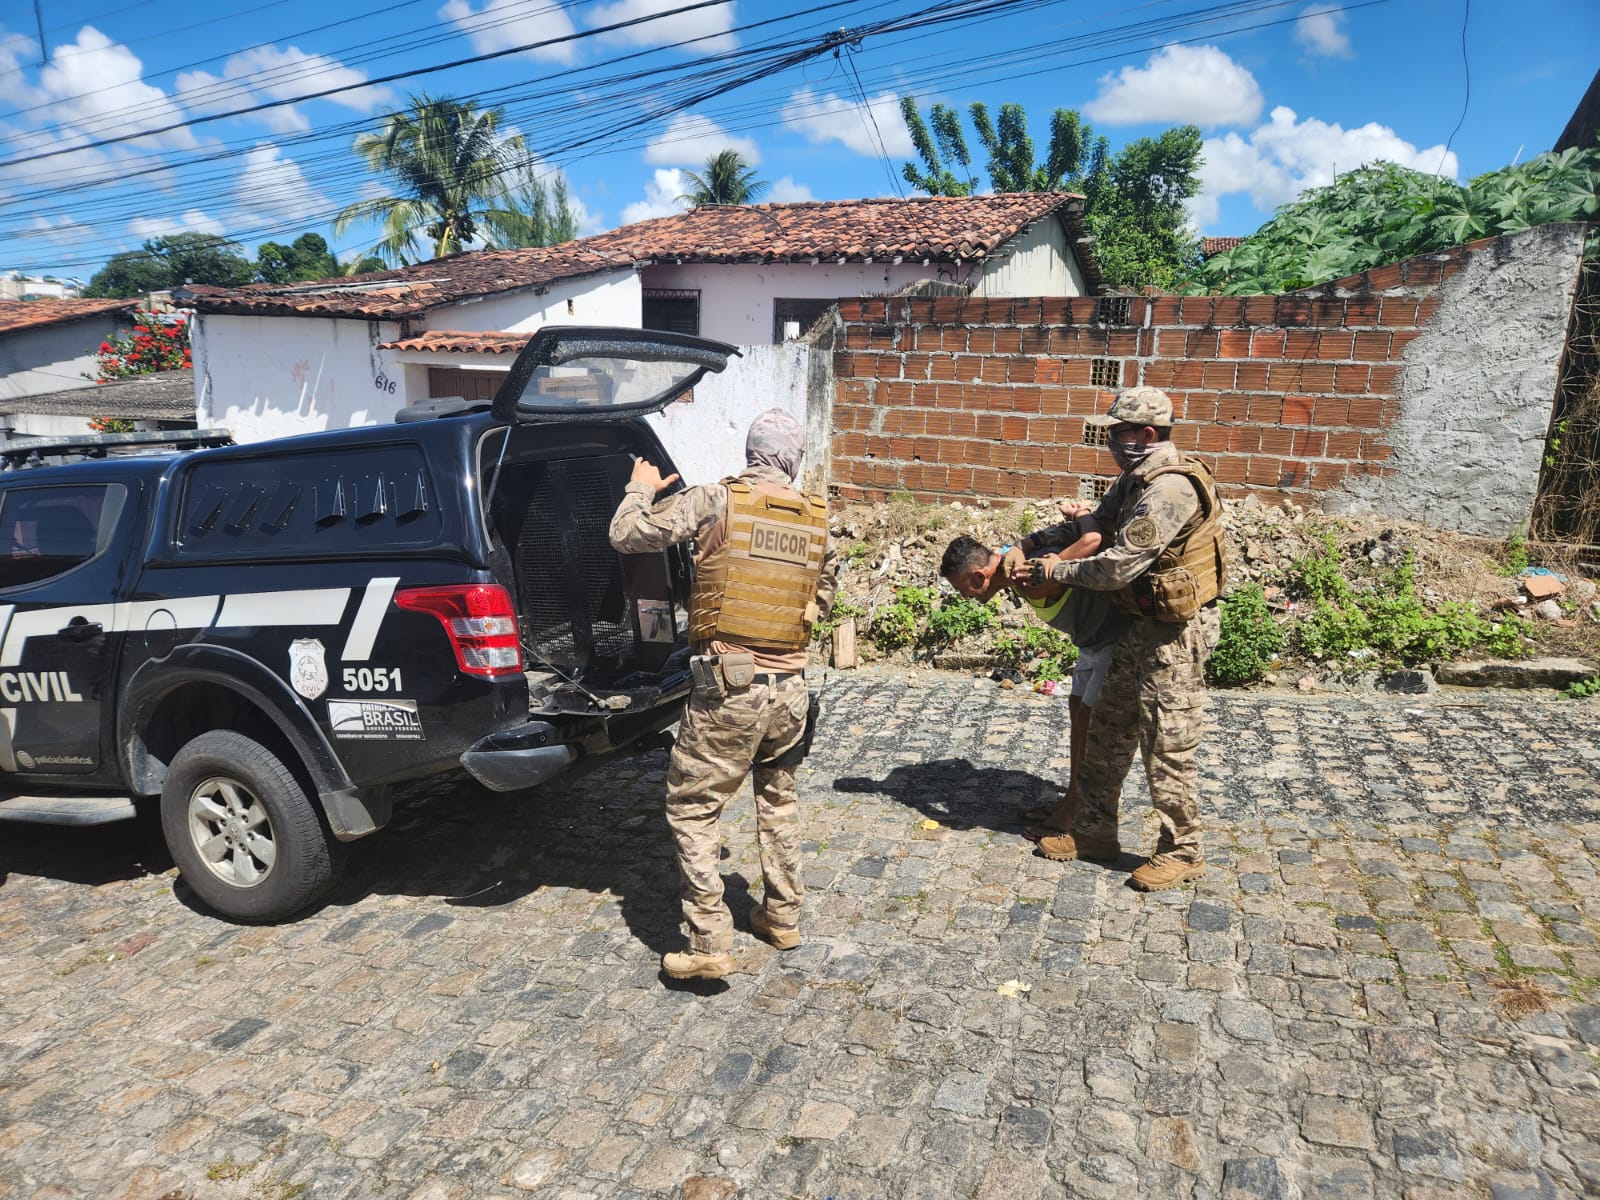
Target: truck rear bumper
518 758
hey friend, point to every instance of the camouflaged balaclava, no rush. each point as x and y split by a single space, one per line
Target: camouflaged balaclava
775 440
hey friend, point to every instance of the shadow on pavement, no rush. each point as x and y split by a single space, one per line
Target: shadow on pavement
92 855
606 832
959 795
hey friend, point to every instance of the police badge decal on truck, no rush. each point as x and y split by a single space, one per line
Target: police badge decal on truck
223 632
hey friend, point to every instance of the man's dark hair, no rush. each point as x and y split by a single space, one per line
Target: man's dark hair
964 554
1163 432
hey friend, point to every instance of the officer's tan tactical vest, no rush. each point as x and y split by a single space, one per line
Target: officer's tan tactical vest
759 586
1189 573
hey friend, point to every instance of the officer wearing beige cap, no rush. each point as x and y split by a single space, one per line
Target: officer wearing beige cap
1161 523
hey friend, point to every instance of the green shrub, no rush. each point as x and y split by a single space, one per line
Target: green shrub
1250 639
1387 622
957 617
1514 556
842 611
1320 575
899 623
1580 688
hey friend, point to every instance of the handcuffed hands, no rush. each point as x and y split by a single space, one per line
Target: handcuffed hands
1072 510
1040 569
1014 564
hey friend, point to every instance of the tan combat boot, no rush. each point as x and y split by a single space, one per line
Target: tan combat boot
1064 847
686 964
782 937
1162 871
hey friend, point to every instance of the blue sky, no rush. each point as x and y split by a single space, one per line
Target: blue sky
1285 93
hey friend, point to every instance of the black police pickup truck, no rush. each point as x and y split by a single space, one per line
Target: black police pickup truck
268 637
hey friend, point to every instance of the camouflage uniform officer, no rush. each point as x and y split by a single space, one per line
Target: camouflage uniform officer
764 570
1162 525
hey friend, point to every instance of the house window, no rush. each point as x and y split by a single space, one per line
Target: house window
671 310
469 385
792 318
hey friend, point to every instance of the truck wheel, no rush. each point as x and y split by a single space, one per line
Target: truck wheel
242 830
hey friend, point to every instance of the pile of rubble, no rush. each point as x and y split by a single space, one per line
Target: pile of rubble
887 546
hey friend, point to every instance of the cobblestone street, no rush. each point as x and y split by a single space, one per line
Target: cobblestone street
1387 984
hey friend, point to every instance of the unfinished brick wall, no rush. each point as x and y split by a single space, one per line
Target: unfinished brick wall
970 397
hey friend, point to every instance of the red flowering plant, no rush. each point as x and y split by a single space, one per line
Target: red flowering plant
157 343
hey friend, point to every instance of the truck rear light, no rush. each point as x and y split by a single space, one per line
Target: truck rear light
480 620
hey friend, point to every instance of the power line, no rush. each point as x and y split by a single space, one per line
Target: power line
579 35
597 131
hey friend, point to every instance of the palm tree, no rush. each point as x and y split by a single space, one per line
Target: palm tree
451 167
728 180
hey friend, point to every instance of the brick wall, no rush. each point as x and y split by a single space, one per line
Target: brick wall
965 396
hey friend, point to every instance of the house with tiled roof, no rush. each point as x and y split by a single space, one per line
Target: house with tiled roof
47 346
273 360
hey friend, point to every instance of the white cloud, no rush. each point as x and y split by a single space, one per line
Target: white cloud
1285 156
1198 85
502 24
660 197
14 89
1321 31
689 139
787 191
60 231
193 221
96 90
273 189
268 73
831 118
712 25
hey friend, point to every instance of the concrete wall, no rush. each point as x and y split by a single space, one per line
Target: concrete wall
53 358
1469 433
266 377
705 435
609 299
1419 390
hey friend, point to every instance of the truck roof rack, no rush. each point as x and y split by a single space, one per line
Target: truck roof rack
34 451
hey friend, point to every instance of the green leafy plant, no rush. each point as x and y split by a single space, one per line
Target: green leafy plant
841 612
1578 689
1387 622
1382 213
1030 642
898 624
957 617
1026 523
1250 639
857 553
1514 557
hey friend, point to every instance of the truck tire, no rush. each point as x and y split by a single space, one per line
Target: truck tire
242 830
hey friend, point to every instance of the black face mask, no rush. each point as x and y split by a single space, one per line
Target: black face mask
1128 455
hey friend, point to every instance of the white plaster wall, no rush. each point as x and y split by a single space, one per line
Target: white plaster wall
1477 390
53 358
266 377
705 436
1038 263
25 425
736 299
612 298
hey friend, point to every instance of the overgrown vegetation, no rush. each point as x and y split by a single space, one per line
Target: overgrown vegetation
1250 640
1382 213
1385 621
